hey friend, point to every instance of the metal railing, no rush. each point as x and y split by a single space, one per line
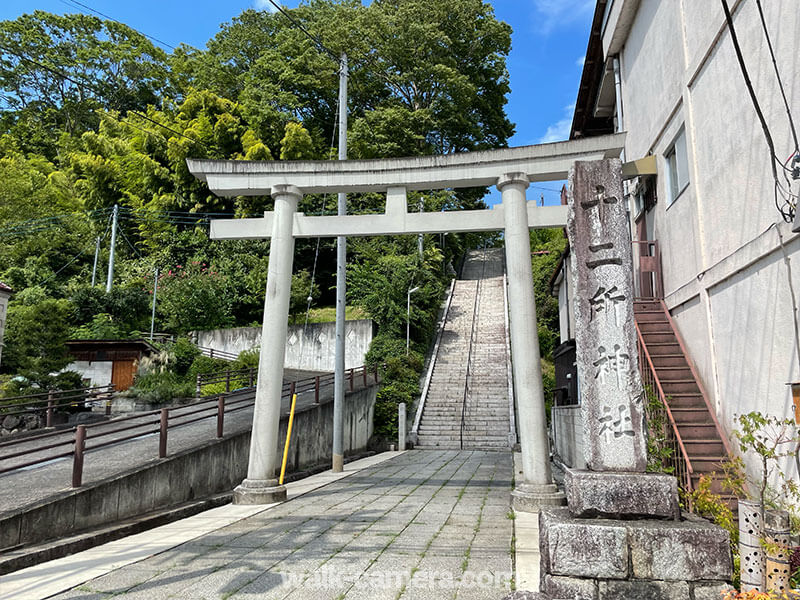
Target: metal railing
47 403
81 439
432 362
247 378
660 415
472 334
220 354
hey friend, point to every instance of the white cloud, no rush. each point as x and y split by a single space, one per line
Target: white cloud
553 14
264 5
559 131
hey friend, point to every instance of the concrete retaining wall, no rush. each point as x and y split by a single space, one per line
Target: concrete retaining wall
567 432
307 348
211 468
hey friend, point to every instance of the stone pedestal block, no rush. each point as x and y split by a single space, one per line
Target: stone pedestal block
621 495
532 498
259 492
598 559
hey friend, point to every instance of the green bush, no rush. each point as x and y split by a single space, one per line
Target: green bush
185 353
160 387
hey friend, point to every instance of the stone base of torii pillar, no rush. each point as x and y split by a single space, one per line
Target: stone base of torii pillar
622 534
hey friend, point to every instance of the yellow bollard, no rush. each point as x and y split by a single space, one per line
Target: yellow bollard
288 439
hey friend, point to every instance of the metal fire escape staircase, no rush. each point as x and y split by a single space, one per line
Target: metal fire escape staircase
697 443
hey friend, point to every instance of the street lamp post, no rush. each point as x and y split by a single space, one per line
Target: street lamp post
408 316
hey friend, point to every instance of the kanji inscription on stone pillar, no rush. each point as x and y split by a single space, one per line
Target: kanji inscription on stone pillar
605 335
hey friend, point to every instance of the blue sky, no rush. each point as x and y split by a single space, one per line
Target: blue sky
548 45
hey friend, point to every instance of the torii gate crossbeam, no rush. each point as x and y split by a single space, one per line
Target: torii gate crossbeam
511 170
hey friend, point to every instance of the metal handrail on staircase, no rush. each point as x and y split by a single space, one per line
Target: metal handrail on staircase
476 303
711 411
432 363
679 460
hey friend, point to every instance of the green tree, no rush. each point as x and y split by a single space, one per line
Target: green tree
547 246
35 338
107 65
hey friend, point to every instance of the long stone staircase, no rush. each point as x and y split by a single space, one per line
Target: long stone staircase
467 404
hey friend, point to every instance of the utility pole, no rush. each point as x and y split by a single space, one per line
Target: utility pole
96 257
153 315
110 279
341 289
419 238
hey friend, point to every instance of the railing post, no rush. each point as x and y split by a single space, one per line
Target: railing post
292 387
49 409
199 387
227 380
316 390
364 373
211 353
77 456
220 415
376 372
351 379
162 439
250 380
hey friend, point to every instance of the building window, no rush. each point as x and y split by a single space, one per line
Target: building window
677 167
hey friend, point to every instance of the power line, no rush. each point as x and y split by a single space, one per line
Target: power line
75 3
786 213
778 75
299 26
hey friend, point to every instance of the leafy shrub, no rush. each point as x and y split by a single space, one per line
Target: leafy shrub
101 327
160 387
185 353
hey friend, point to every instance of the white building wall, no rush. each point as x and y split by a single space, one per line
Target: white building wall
726 284
98 371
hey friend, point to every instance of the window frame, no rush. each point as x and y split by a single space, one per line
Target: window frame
672 156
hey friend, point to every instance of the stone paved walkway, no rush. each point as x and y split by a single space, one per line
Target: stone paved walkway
426 524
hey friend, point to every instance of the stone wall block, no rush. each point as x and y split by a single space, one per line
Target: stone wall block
570 588
710 590
673 551
643 590
579 548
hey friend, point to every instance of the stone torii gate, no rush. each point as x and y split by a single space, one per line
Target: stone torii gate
511 170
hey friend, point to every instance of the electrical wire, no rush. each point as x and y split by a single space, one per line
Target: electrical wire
786 209
75 3
778 76
300 27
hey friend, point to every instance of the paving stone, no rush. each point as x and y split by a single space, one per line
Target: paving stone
121 580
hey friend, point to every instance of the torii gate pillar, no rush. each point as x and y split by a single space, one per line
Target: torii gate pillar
537 489
260 486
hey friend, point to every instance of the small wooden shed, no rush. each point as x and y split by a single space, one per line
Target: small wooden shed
104 362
